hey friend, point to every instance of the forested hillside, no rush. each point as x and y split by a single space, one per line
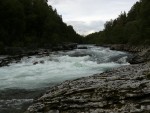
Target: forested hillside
129 28
32 23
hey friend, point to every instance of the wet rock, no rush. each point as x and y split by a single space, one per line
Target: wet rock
34 63
42 62
122 90
129 48
10 59
141 57
140 53
16 53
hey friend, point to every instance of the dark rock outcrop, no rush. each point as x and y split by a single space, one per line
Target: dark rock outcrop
141 53
129 48
122 90
141 57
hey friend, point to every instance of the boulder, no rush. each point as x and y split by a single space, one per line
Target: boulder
143 56
34 63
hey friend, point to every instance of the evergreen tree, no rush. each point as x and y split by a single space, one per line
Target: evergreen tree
130 28
32 22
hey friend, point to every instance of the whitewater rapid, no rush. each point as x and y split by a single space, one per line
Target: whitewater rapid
60 66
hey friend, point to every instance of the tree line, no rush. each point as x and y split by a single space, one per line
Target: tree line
32 23
129 28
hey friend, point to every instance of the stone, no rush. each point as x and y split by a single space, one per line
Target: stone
42 62
34 63
122 90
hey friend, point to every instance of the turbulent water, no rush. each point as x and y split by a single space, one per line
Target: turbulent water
39 72
59 66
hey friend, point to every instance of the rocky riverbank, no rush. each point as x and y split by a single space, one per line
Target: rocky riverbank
141 53
33 49
122 90
15 54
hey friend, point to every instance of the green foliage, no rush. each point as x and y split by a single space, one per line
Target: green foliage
28 22
130 28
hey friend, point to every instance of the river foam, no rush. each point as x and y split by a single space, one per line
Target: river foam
39 72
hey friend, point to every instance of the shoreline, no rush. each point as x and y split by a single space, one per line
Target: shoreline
15 54
124 89
80 95
141 54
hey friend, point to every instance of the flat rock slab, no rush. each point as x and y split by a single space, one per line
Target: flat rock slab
122 90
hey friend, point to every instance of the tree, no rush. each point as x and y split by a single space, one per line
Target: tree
130 28
32 22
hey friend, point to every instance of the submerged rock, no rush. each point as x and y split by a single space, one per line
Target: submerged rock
34 63
122 90
42 61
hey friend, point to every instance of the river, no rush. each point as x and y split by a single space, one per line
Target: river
21 82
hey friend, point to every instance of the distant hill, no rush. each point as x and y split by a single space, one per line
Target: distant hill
32 23
129 28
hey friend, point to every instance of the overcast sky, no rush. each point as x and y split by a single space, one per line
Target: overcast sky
87 16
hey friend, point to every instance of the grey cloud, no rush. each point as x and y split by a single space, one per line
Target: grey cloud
85 28
55 1
90 15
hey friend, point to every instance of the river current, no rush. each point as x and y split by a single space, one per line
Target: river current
39 72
